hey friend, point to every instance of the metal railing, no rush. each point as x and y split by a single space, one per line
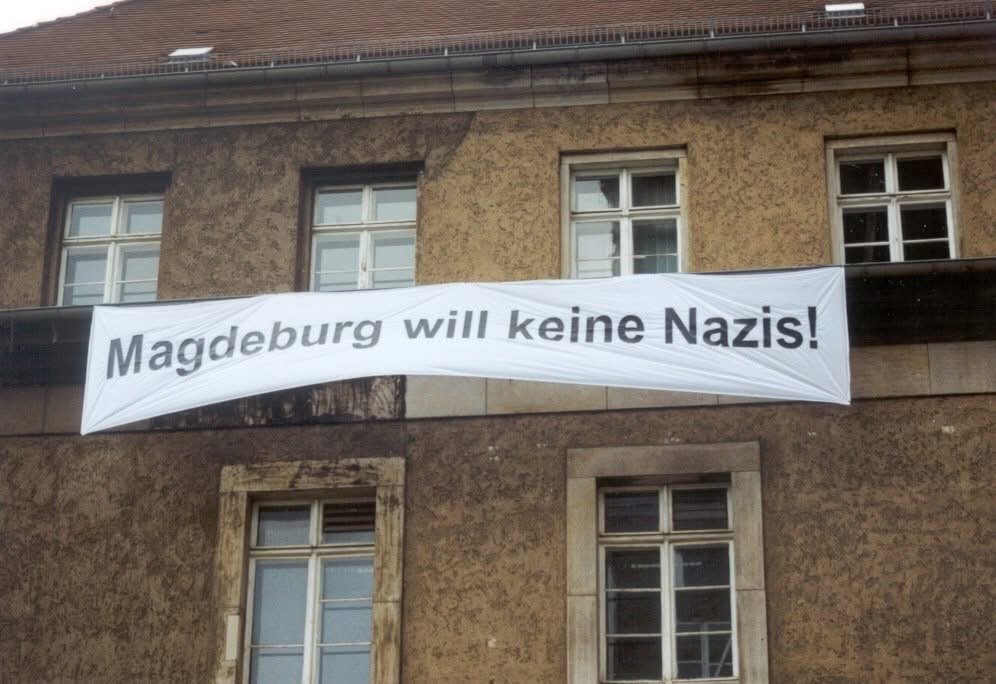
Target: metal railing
472 44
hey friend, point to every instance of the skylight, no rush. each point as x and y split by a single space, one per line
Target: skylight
190 54
846 9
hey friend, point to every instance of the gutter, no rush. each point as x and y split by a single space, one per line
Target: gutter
510 58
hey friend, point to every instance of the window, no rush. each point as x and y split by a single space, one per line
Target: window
363 236
308 582
624 214
311 582
110 250
665 564
666 584
893 201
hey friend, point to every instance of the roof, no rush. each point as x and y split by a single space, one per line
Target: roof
142 29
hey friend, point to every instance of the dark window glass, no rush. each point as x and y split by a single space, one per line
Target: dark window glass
864 255
860 177
924 222
632 569
699 509
632 512
921 174
920 251
629 658
702 610
866 225
704 655
654 191
633 612
701 566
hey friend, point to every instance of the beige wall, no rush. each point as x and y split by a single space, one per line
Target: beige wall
489 208
876 521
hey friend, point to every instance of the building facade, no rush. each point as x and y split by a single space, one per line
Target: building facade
487 530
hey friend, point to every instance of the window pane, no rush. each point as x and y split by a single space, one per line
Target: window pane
142 217
603 268
140 262
337 252
920 251
923 222
654 191
337 282
655 264
142 291
655 246
703 610
866 225
921 174
279 602
705 655
394 204
632 568
276 665
628 658
90 220
857 177
347 578
86 266
701 566
631 511
699 509
393 250
335 207
83 295
596 193
633 613
345 623
344 665
283 526
864 255
597 240
402 277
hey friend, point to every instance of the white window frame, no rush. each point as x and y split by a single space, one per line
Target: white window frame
626 164
366 228
314 552
665 541
890 149
112 244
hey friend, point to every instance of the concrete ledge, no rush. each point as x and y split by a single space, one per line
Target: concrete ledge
914 370
367 89
888 371
519 396
682 459
962 367
22 410
438 396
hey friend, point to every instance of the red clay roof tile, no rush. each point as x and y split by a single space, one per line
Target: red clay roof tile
154 28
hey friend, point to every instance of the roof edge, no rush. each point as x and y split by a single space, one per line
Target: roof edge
963 18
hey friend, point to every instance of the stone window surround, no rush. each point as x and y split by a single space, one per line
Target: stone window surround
242 485
742 461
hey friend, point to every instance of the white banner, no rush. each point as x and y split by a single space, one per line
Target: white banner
779 335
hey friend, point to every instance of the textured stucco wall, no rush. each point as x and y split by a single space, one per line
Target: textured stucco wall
878 548
490 206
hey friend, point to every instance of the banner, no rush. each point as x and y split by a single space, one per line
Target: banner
778 335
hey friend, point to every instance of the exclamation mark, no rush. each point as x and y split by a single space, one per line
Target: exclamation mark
812 327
